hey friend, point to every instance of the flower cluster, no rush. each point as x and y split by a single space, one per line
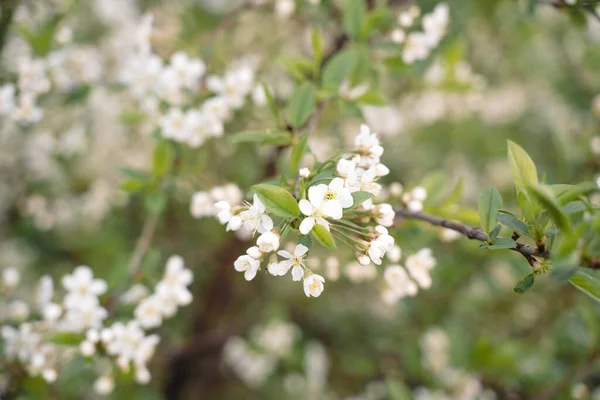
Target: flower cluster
254 364
165 91
203 203
78 325
419 44
402 282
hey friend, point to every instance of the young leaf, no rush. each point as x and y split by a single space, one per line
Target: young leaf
544 196
489 203
360 197
508 219
524 285
298 152
305 240
301 105
317 45
162 159
323 236
339 67
574 192
494 233
587 283
353 17
521 165
372 98
503 243
271 104
267 136
277 200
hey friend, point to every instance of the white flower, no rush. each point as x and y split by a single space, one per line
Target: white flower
82 287
185 71
324 201
86 313
295 261
285 8
104 385
255 218
314 285
173 125
304 172
248 265
435 24
397 279
175 281
87 348
7 99
268 242
202 205
368 143
419 193
398 35
384 214
27 110
233 86
10 278
416 47
134 294
419 265
352 93
394 254
149 312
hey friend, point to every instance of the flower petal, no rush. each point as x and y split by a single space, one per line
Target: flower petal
297 273
306 225
300 250
333 209
305 206
285 254
316 195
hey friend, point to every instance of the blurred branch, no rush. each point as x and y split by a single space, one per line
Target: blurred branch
472 233
143 244
7 12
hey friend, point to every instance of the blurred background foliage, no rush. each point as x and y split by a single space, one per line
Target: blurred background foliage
537 70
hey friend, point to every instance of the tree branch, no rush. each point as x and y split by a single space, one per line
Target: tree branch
472 233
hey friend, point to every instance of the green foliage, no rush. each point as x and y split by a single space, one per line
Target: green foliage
162 159
301 105
525 284
339 67
489 203
588 283
298 152
360 197
545 197
277 200
323 236
353 18
267 136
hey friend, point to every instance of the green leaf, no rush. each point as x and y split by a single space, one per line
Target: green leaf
305 240
271 104
360 197
162 158
545 197
298 67
521 165
323 236
133 173
132 185
339 67
353 15
488 205
524 285
67 338
277 200
508 219
298 152
317 45
301 105
155 202
397 390
502 243
574 192
372 98
267 136
588 283
494 233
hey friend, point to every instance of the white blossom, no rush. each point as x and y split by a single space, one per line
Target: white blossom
314 285
295 261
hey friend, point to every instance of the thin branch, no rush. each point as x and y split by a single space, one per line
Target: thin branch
472 233
143 244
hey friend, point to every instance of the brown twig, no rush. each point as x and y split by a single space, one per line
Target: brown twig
470 232
143 244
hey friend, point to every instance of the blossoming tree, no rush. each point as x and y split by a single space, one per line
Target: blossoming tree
154 149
